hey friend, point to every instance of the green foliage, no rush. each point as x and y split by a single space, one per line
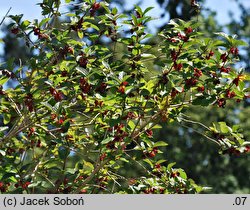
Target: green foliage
81 114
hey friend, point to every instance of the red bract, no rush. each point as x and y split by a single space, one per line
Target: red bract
183 37
122 87
174 92
125 83
96 6
158 166
211 53
149 133
224 57
58 96
83 61
232 151
239 78
178 66
247 149
43 36
221 102
103 156
29 102
151 154
84 85
225 70
83 191
234 50
197 73
236 81
60 121
174 55
130 115
52 90
25 185
188 30
230 94
36 31
201 89
175 174
15 30
173 40
191 82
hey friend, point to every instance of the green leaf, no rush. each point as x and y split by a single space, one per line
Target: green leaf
46 104
52 163
3 80
139 10
149 162
35 184
65 126
114 11
147 55
16 18
183 174
25 24
114 122
26 167
236 128
157 126
107 140
45 20
134 20
131 124
170 166
160 161
160 144
6 118
147 10
148 142
80 34
70 170
4 128
179 89
224 128
239 43
63 152
203 101
222 34
8 175
124 160
3 153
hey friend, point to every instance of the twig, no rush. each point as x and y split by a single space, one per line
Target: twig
5 16
209 138
194 122
46 130
89 178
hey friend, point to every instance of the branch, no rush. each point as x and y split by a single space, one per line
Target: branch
5 16
89 178
207 137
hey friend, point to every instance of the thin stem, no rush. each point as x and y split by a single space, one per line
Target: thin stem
5 16
194 122
209 138
93 173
